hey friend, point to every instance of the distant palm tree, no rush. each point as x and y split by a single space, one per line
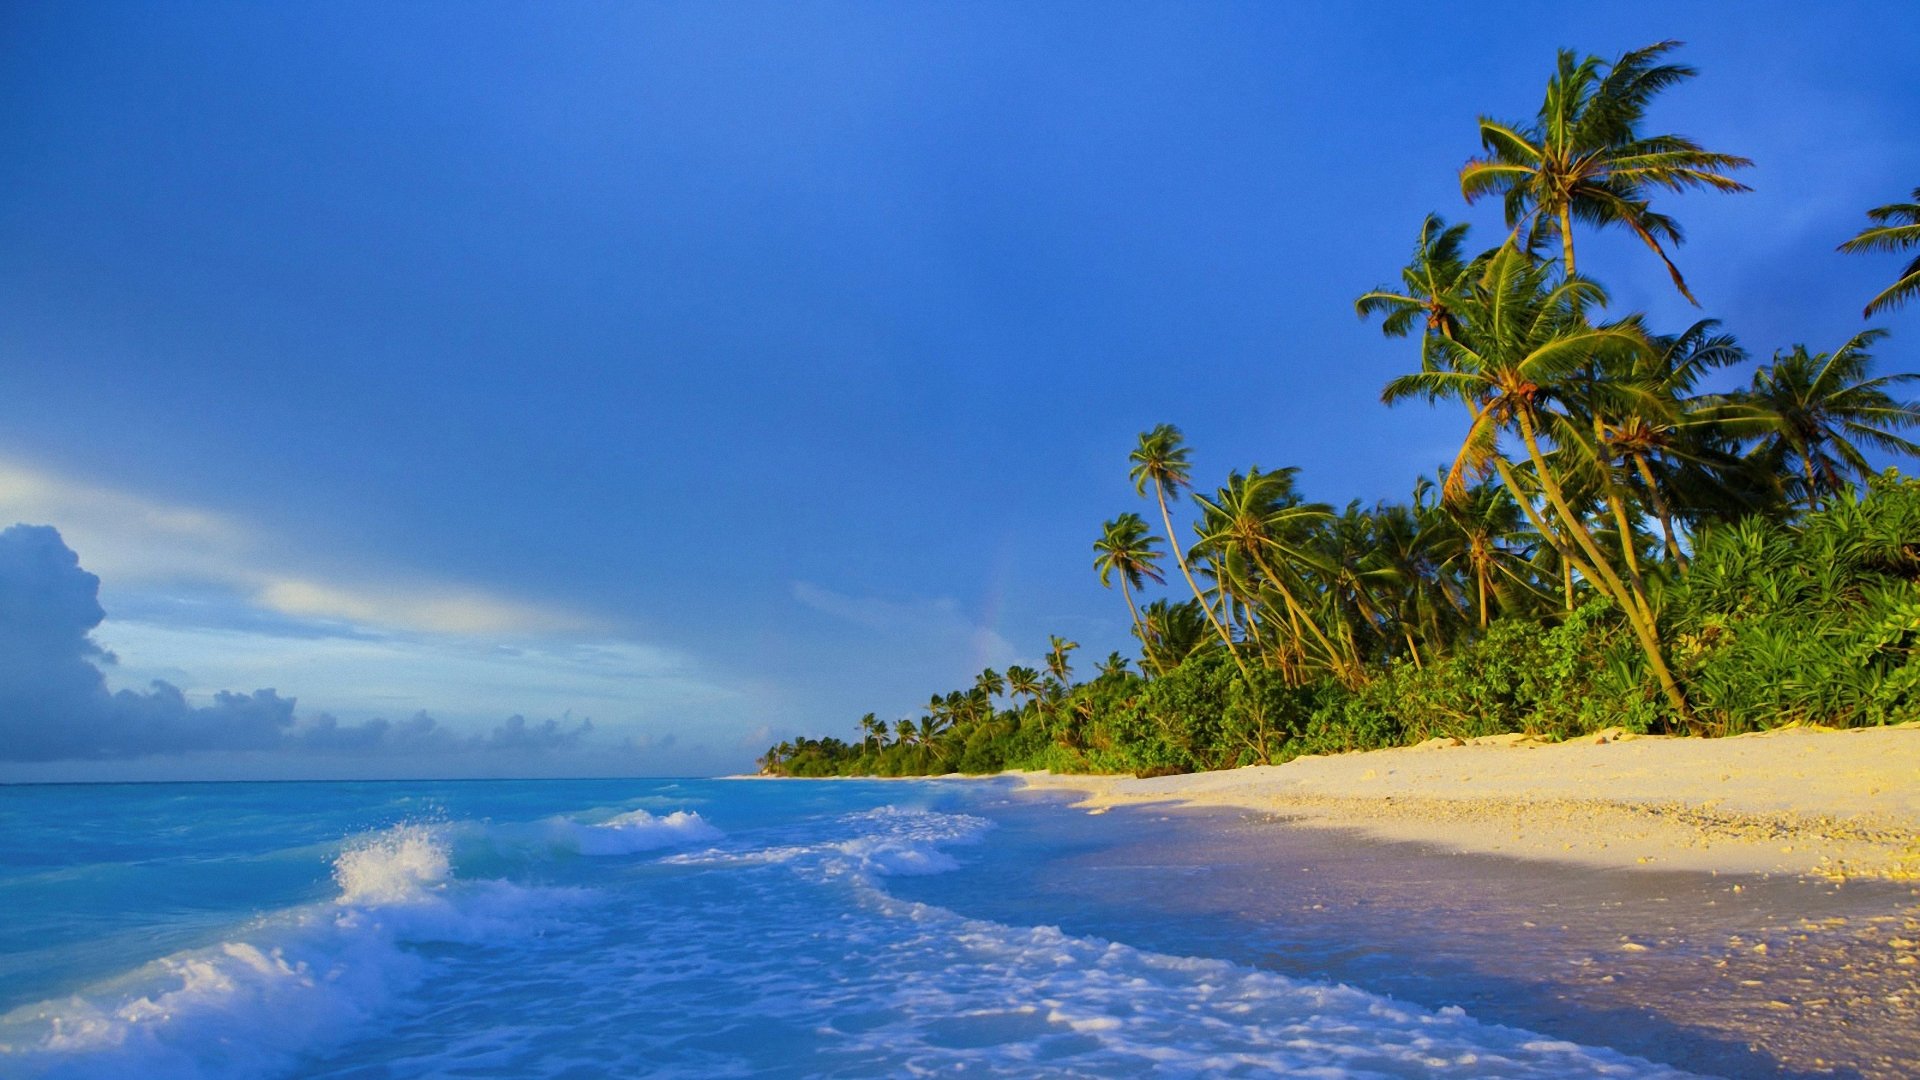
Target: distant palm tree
1023 682
1584 157
1821 408
1057 652
869 724
1125 548
989 683
1896 227
1114 664
1160 462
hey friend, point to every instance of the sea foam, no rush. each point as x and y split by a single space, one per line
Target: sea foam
294 980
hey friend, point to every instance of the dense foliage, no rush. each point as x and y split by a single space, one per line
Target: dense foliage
1612 545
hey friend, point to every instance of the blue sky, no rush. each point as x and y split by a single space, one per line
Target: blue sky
722 371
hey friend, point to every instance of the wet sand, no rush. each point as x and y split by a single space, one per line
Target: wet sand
1736 907
1736 975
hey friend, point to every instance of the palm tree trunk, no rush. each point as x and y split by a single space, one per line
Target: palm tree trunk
1660 510
1566 238
1639 615
1166 518
1338 660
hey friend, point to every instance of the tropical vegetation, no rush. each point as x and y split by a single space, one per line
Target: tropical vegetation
1640 529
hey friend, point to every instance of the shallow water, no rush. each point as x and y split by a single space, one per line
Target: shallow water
695 928
1729 975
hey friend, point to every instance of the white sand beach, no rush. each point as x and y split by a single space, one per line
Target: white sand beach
1840 804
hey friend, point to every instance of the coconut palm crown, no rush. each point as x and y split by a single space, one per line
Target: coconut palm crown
1896 227
1584 157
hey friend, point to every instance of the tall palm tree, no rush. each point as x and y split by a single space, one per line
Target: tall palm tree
1896 227
1057 650
1430 284
1584 157
1126 549
1160 461
1822 408
869 725
1524 354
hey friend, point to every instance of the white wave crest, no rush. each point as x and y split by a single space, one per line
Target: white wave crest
299 978
638 830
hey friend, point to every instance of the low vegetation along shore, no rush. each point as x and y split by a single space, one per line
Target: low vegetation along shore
1644 529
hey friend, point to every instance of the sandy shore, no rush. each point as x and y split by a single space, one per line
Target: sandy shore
1836 804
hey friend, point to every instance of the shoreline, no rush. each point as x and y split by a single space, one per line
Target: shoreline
1834 804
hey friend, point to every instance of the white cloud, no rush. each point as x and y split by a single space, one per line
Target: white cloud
133 541
938 624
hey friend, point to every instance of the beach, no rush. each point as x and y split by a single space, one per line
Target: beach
1836 804
1743 906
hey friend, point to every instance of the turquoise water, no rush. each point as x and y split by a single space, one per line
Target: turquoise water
630 928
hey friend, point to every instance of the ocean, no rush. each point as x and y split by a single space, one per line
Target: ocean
696 928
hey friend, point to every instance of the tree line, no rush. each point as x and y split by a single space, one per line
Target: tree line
1613 543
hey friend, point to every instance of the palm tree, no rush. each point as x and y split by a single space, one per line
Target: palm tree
1584 157
1430 284
1682 443
1257 518
1472 536
1896 227
905 733
1114 664
1057 652
1525 352
989 682
1169 633
869 724
1023 682
1821 409
1160 460
1125 548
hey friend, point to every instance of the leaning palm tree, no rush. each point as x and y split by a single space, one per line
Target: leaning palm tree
1525 359
1126 549
1584 156
1821 409
1160 461
1896 227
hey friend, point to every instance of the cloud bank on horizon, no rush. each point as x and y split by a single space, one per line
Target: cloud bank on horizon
55 705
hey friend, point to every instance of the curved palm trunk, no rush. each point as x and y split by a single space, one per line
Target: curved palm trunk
1639 615
1160 496
1298 616
1139 630
1660 510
